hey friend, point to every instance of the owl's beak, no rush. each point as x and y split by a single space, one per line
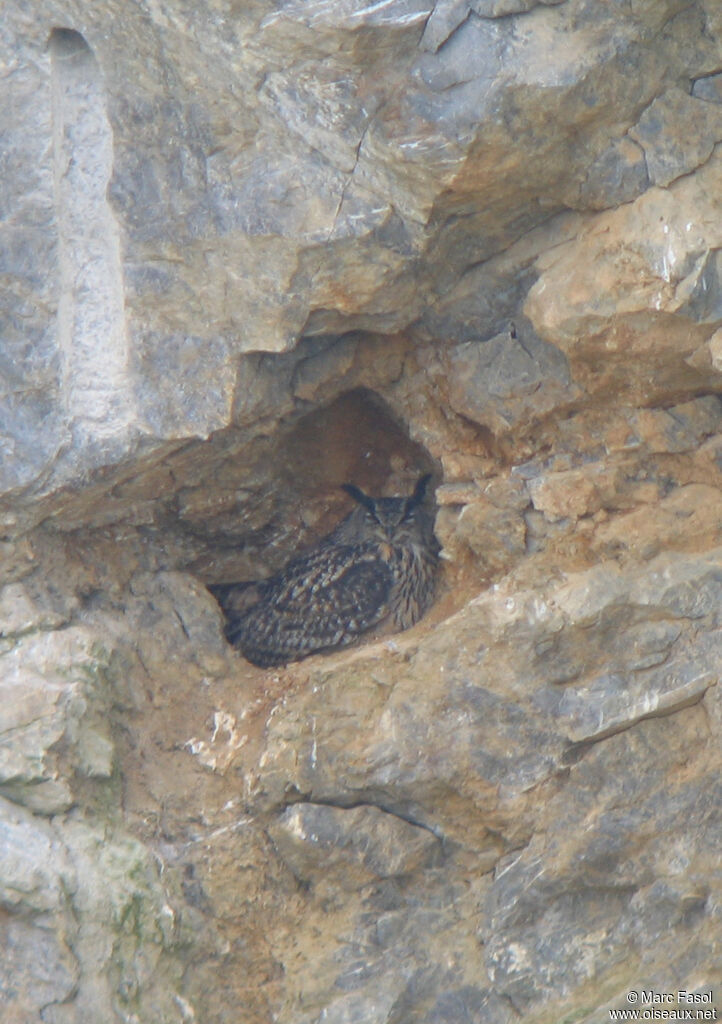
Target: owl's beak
386 552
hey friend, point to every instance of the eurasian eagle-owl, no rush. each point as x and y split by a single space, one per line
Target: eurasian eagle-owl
376 568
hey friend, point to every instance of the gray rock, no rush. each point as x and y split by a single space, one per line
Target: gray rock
38 970
445 18
704 304
501 8
708 88
86 921
611 889
55 694
677 133
618 175
36 869
492 382
351 847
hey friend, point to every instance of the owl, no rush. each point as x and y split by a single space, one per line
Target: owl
376 568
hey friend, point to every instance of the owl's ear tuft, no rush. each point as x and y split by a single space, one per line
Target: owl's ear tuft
419 492
358 495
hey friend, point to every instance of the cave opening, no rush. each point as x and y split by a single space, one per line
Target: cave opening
240 504
290 494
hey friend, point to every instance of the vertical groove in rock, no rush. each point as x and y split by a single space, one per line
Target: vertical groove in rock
92 332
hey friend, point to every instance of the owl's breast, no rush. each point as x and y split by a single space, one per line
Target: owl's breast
414 571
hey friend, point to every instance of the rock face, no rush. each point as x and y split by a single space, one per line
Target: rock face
249 252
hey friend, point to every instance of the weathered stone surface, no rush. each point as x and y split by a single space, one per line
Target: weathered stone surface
249 252
55 699
507 379
618 175
345 849
641 279
533 678
624 891
61 886
677 134
709 89
174 184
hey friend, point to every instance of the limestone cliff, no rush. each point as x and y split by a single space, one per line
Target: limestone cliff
248 252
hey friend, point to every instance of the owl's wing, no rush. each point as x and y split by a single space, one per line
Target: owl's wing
324 599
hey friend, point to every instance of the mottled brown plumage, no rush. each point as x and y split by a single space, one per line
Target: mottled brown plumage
376 568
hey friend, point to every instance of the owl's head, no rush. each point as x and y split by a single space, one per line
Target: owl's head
391 520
